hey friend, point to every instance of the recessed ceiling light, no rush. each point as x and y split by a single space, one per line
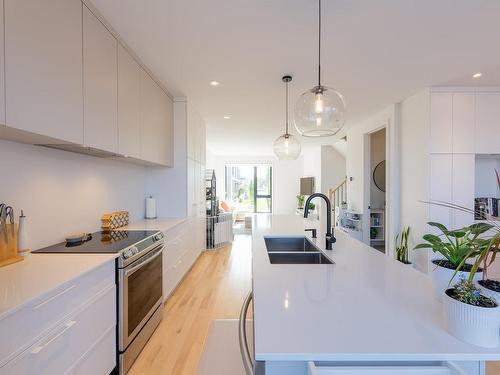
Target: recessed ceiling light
214 83
227 117
477 75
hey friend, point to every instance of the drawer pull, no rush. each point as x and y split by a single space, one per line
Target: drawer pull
54 297
67 326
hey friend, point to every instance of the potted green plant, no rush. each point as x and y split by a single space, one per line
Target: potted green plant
489 287
300 201
487 254
455 247
402 253
471 316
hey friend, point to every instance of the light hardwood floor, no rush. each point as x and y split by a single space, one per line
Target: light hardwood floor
213 289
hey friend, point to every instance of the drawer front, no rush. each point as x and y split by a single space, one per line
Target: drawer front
171 276
173 251
24 326
176 232
63 346
313 369
100 359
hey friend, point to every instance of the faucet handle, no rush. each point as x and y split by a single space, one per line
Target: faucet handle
312 230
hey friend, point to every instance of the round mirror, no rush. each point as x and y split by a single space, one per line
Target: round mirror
379 175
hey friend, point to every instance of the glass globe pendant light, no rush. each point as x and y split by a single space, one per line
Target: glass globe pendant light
286 147
319 112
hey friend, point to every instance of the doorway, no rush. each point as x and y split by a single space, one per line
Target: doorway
249 188
377 190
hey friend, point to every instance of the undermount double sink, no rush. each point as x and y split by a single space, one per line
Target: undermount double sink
293 250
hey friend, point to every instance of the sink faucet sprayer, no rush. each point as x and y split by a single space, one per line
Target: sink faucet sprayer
330 239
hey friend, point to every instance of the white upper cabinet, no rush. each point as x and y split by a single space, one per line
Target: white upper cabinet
129 105
487 132
156 123
441 179
463 188
100 84
196 136
43 64
441 122
463 122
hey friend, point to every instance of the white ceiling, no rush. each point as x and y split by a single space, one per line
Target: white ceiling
375 52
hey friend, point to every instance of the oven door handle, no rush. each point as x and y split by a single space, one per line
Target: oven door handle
149 260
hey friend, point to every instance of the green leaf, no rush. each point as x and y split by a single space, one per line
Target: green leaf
439 226
432 238
457 233
480 228
423 246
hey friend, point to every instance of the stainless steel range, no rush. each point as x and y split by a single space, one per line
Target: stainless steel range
139 277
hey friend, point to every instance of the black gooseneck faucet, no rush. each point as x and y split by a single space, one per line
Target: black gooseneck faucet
330 239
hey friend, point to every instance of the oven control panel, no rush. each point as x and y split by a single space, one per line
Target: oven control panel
141 246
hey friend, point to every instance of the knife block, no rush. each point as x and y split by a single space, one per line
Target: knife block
8 249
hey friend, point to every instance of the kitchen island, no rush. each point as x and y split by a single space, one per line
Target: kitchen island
364 310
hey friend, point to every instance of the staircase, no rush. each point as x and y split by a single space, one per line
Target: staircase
337 196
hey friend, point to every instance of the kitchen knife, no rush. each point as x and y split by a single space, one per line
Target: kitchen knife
3 221
10 213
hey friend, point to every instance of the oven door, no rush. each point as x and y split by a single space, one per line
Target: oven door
140 294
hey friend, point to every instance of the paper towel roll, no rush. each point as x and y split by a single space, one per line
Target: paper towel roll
150 208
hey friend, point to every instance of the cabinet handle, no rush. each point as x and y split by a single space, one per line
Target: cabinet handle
248 363
54 297
67 326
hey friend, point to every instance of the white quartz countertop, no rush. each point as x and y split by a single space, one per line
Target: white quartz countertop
366 306
39 274
162 224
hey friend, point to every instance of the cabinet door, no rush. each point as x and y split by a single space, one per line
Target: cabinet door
203 140
440 188
156 123
463 122
129 110
99 85
191 134
191 201
43 50
487 133
441 122
463 188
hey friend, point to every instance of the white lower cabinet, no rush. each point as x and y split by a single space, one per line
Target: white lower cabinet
181 251
71 331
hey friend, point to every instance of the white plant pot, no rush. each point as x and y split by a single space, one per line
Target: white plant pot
441 277
489 293
472 324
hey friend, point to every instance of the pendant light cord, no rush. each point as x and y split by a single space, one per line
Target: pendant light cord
319 42
286 107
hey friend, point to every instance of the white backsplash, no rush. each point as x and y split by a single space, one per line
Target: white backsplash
63 192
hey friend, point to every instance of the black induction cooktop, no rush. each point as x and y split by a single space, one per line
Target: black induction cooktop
101 242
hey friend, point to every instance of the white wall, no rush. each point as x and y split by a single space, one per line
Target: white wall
332 168
414 171
312 164
377 154
63 192
286 178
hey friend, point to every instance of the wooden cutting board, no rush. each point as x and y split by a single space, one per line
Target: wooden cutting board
8 249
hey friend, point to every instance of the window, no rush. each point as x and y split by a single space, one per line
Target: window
249 187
